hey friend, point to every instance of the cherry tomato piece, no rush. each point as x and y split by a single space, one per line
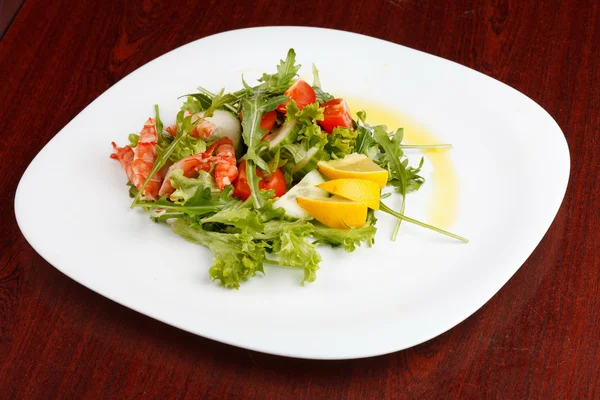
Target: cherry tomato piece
275 182
268 120
301 92
335 113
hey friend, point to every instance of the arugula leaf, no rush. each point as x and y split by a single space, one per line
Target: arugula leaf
413 178
200 204
219 100
403 217
283 79
203 100
236 255
322 96
287 70
252 110
365 144
392 155
186 188
403 177
159 124
391 160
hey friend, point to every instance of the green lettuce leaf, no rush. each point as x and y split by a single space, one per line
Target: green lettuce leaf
341 142
192 105
238 214
348 239
236 255
307 116
196 102
289 242
186 188
295 251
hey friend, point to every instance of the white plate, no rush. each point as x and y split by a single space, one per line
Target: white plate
511 158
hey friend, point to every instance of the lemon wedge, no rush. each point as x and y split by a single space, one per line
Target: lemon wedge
357 166
335 212
359 190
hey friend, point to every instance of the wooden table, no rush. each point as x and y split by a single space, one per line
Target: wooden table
537 338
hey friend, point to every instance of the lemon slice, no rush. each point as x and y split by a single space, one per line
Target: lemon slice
335 212
359 190
356 166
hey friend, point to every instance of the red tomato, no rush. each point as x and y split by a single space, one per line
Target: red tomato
301 92
336 113
268 120
276 182
241 188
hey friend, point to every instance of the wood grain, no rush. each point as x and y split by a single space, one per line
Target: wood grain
537 338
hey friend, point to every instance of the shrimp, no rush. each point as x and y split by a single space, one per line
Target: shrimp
225 169
125 156
144 159
203 129
190 165
139 163
225 164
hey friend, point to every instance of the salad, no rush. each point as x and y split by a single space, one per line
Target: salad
267 174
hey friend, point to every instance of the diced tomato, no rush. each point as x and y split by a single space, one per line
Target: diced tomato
301 92
241 188
336 113
275 182
268 120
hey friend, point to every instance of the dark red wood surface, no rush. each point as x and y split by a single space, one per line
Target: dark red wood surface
537 338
